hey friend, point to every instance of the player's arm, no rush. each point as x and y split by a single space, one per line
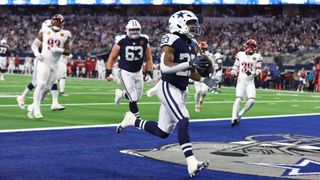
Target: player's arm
195 76
37 43
167 65
66 48
235 66
149 64
258 66
112 57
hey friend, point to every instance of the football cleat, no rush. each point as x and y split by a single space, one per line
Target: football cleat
195 167
30 115
117 96
37 115
197 108
235 122
128 120
20 101
57 107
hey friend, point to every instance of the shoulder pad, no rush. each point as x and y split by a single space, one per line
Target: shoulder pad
259 57
168 39
119 38
67 33
144 36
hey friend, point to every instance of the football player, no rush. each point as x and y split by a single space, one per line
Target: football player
54 89
54 42
4 54
101 68
201 89
178 60
248 65
133 48
218 71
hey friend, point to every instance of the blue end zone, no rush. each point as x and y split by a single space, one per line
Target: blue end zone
94 153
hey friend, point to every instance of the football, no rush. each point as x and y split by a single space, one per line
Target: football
208 70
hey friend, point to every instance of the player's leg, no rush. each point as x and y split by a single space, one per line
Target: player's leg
43 73
174 101
62 76
251 94
2 68
52 83
197 96
240 93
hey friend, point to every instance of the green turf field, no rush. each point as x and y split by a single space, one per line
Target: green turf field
91 102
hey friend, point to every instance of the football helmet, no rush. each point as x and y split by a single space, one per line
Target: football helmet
250 46
3 42
57 22
133 29
203 46
184 22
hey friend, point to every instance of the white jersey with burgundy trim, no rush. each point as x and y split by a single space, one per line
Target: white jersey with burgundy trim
53 39
245 63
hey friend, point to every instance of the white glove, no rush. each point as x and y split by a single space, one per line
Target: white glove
56 49
233 72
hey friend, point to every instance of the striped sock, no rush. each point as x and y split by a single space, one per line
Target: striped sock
183 137
140 123
187 149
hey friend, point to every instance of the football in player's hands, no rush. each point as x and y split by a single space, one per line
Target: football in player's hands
204 66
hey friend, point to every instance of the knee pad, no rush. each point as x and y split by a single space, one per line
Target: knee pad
238 99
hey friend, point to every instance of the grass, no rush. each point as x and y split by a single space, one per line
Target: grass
90 102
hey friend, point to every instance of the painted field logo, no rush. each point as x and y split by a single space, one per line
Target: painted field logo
275 155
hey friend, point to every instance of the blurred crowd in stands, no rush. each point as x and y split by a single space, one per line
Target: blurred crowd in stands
94 31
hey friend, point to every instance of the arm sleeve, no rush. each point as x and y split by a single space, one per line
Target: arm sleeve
35 47
236 63
168 70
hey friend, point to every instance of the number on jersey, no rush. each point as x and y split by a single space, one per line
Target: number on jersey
134 53
53 42
246 66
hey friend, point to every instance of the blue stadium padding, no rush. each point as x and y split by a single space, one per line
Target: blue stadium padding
94 153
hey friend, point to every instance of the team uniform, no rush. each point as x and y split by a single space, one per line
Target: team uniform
52 42
201 89
27 65
11 66
54 91
101 68
248 66
4 53
132 55
218 70
178 60
172 87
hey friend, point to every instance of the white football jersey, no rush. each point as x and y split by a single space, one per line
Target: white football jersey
52 39
245 63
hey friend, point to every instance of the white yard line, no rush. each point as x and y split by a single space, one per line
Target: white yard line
114 125
189 102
